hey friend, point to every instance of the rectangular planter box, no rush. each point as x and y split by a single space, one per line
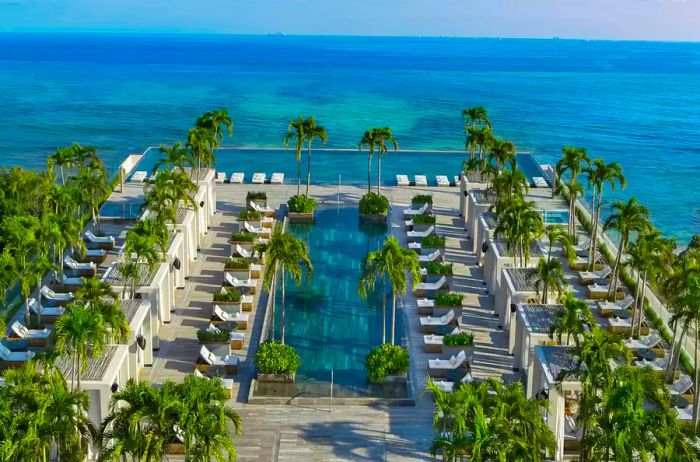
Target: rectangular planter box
442 310
238 273
373 218
276 378
453 350
301 217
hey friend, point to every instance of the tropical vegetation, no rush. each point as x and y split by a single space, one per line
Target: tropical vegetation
384 360
273 357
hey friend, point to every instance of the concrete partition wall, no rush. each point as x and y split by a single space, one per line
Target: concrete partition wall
506 295
208 181
475 208
187 227
177 250
201 215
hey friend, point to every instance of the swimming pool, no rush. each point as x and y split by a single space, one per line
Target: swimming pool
529 166
326 320
121 210
555 217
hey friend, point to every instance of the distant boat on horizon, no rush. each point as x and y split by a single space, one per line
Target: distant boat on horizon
277 34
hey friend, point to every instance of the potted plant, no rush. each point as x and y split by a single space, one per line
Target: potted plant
374 208
218 337
258 197
445 302
276 362
430 243
423 222
419 199
436 270
229 296
250 215
238 267
452 344
301 209
387 363
242 237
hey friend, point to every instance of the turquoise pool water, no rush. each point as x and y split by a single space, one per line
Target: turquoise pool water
530 167
328 323
555 217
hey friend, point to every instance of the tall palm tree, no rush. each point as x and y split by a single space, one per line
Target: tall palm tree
548 276
212 121
556 234
63 158
626 219
312 132
509 185
295 132
368 139
167 192
101 298
474 118
573 321
288 254
503 152
130 272
382 137
599 173
33 276
199 141
519 223
175 157
8 276
80 333
574 160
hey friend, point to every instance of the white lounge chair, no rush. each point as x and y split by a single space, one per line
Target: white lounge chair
255 230
402 180
425 303
14 358
32 336
87 268
99 242
415 246
586 277
418 211
440 367
94 255
442 180
227 383
434 255
583 246
685 414
540 182
648 342
658 365
266 210
618 305
437 285
240 318
425 233
220 177
250 284
243 252
47 313
277 178
208 359
233 337
56 298
421 180
237 178
139 176
681 386
597 291
258 178
619 325
428 324
448 386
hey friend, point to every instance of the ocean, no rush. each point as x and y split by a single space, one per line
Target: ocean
637 103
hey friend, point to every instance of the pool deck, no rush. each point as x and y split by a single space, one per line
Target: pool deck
299 432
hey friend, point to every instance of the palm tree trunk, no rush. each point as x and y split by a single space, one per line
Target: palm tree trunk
379 172
79 373
26 310
696 392
674 326
393 316
594 237
282 310
641 305
308 170
383 309
299 173
674 361
616 269
635 306
272 294
38 291
572 213
369 173
63 180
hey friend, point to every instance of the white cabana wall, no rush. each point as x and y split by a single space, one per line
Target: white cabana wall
176 250
484 232
475 207
201 215
507 295
186 225
497 257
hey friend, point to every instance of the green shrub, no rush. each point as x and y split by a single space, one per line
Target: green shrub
242 236
432 241
424 220
422 199
256 195
438 268
374 204
461 339
448 299
207 336
275 358
230 294
301 204
235 263
385 360
250 215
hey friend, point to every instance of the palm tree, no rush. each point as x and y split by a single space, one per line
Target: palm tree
289 254
176 157
381 137
8 276
130 272
548 276
475 118
311 132
599 173
509 185
99 296
557 234
368 139
574 160
626 218
503 152
199 141
33 276
519 223
80 333
296 132
212 121
93 185
167 192
63 159
573 321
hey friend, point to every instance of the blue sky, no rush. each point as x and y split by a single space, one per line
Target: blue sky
597 19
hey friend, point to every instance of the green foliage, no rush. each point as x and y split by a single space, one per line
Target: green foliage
219 336
250 215
433 242
448 299
424 219
461 339
256 196
384 360
439 268
301 204
422 199
374 204
235 263
276 358
242 236
227 294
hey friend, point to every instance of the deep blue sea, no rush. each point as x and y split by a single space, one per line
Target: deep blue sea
637 103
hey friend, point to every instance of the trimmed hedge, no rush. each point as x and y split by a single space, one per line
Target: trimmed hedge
461 339
301 204
433 242
384 360
249 215
273 357
439 268
448 299
242 236
235 263
374 204
422 199
256 195
227 294
207 336
424 220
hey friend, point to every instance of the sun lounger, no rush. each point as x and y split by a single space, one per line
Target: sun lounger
440 367
421 180
423 287
428 324
239 318
414 246
266 210
681 386
220 177
619 325
448 386
139 176
255 230
82 269
14 358
419 211
35 337
235 338
442 180
425 306
258 178
74 283
243 252
277 178
606 308
583 246
227 383
48 314
540 182
249 284
237 178
98 242
207 359
417 234
648 342
684 414
597 292
54 298
432 256
658 365
587 277
402 180
92 255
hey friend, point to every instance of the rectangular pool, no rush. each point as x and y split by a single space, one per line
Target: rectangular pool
529 166
327 322
555 217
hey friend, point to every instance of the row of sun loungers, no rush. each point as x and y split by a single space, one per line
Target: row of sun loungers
422 180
